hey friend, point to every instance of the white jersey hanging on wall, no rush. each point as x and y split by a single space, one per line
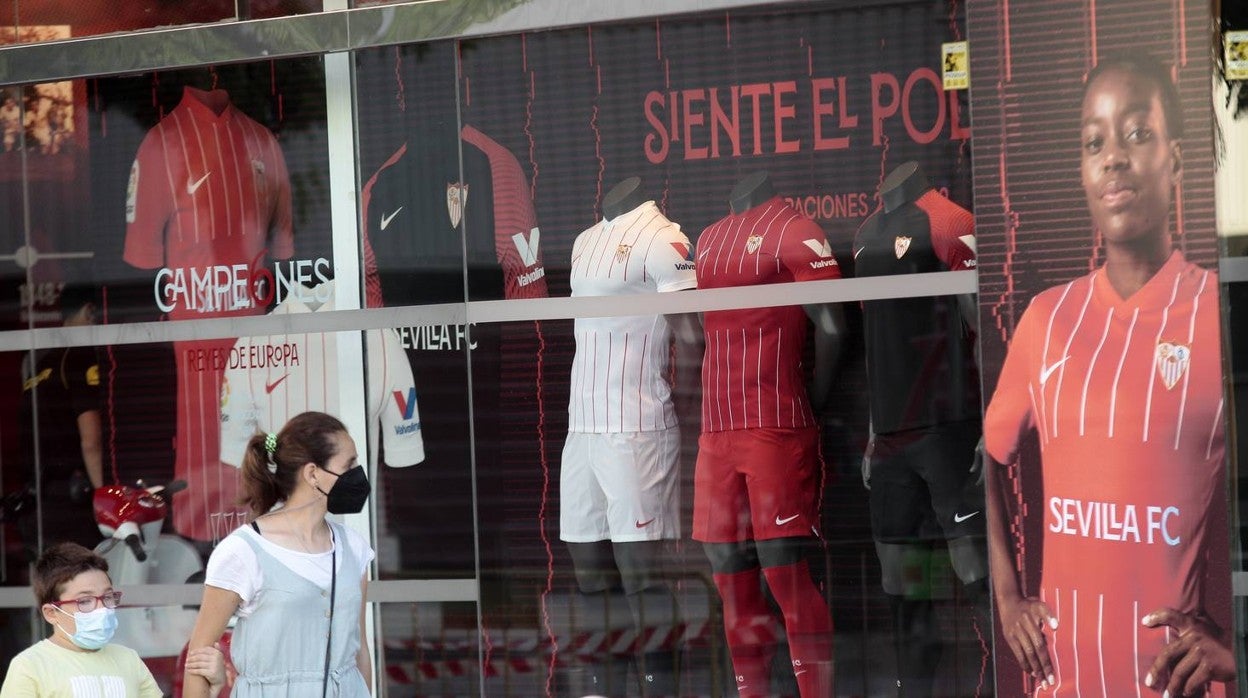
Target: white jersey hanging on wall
270 379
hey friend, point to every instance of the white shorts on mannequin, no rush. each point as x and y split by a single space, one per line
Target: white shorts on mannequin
621 487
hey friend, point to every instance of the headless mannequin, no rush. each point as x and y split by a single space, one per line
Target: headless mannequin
737 566
829 320
753 190
903 185
605 569
905 567
623 197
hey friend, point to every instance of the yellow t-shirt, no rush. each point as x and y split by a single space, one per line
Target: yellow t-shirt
47 670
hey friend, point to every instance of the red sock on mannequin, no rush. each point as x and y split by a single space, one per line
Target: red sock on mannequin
751 631
808 625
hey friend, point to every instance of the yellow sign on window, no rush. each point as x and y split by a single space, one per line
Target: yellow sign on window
955 65
1236 55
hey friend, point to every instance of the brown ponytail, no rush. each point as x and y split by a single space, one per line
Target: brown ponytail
271 478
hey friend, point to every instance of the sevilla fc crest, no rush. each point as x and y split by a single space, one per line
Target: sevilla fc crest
752 244
456 200
621 252
1172 362
900 244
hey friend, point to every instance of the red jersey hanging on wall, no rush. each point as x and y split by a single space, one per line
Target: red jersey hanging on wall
208 201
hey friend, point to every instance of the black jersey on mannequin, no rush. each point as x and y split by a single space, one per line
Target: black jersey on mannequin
920 361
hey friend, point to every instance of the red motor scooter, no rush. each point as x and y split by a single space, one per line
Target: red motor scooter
132 515
138 553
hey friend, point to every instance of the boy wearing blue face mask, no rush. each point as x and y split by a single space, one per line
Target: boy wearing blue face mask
76 597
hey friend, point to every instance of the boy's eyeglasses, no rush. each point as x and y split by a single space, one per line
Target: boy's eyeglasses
87 604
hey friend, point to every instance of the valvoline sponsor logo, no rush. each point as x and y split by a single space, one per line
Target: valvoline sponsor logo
407 409
406 403
686 256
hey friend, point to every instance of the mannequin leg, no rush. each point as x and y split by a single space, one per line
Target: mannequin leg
807 621
600 588
653 605
914 490
970 564
905 569
749 626
957 498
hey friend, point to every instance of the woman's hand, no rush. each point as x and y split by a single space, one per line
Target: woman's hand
1023 620
1192 660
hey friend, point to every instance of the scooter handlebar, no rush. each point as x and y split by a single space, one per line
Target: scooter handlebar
136 547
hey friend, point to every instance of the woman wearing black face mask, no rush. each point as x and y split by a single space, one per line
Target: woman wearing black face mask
296 581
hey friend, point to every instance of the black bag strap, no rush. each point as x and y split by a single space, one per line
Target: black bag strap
333 587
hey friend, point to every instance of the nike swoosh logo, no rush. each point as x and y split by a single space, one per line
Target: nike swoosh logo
958 518
269 387
385 220
192 187
641 524
781 522
1046 372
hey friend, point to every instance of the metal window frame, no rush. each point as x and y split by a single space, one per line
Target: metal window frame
332 31
345 30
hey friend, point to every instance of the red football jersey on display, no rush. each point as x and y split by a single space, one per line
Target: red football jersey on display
1126 399
207 189
208 192
208 508
752 371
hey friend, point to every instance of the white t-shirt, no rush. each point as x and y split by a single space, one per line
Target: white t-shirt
233 564
270 379
619 373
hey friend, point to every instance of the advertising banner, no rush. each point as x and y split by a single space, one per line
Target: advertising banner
1101 349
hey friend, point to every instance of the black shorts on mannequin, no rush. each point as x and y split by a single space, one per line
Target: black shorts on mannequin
923 471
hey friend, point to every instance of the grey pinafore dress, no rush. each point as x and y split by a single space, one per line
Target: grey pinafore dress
279 650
